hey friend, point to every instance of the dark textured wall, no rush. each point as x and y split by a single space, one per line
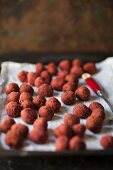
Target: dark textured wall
56 25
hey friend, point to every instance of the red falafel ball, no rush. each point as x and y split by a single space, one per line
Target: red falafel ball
6 124
77 143
71 120
39 68
28 115
54 104
77 62
20 129
38 135
12 87
95 105
31 77
78 71
41 122
13 139
90 68
65 65
63 73
13 96
26 88
52 68
46 75
45 90
62 143
78 129
98 113
63 130
83 93
27 104
39 81
68 97
72 78
39 101
25 96
13 109
81 110
94 124
22 76
69 87
46 112
107 142
57 83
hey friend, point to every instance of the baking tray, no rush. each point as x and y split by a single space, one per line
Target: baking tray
45 58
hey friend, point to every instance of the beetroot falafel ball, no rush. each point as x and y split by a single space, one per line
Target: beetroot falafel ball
77 143
63 130
39 68
12 87
107 142
45 90
6 124
71 120
62 143
69 87
78 71
63 73
83 93
38 135
90 68
81 110
39 81
13 139
65 65
25 96
13 109
28 115
20 129
46 112
13 96
22 76
95 105
39 101
68 97
41 122
72 78
94 124
27 104
54 104
26 88
78 129
31 77
52 68
47 76
98 113
77 62
57 83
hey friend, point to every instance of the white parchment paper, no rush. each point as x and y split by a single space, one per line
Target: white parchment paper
9 71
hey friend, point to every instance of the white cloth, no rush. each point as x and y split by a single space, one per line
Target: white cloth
104 77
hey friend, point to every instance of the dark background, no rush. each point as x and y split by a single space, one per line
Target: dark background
33 29
48 26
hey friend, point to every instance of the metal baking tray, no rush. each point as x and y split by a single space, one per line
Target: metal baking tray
45 58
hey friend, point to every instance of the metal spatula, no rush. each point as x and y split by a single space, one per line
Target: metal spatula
97 90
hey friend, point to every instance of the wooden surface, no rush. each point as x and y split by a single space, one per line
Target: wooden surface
56 26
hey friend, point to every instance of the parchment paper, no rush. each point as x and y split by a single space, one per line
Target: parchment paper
9 71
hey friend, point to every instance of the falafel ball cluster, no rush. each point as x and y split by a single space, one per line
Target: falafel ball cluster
37 110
